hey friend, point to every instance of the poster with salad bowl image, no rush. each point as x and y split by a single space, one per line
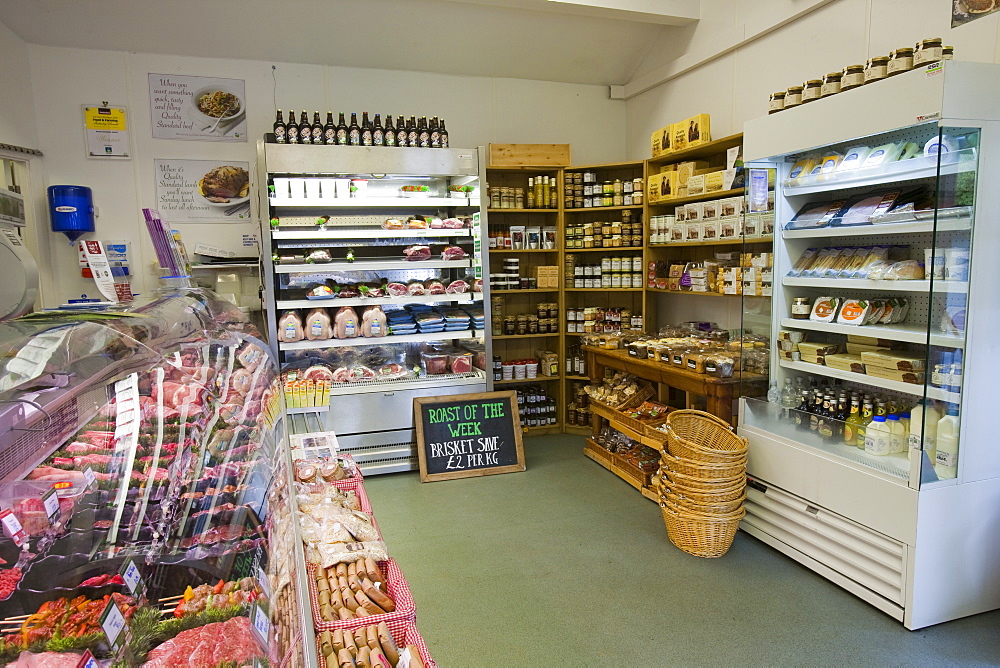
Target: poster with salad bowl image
197 108
202 190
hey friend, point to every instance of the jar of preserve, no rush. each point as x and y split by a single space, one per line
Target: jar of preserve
877 69
628 186
793 97
928 51
637 197
811 90
801 308
616 187
852 77
831 84
947 52
777 102
901 61
608 188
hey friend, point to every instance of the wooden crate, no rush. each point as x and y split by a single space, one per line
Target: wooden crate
529 155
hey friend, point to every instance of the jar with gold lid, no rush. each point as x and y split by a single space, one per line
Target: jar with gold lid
947 53
928 51
852 77
901 60
876 69
831 84
777 102
793 97
811 90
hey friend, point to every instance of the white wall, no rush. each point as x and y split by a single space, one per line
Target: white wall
734 87
17 120
478 111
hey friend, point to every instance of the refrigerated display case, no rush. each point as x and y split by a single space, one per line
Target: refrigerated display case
884 253
143 465
375 286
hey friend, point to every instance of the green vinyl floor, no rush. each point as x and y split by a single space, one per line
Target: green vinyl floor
566 565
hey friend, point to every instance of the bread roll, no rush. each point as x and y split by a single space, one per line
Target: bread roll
345 614
374 572
364 657
349 600
349 644
415 660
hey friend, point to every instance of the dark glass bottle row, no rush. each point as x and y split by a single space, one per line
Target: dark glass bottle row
405 133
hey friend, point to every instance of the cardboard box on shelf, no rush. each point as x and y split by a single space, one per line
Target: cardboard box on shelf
661 187
685 170
714 181
751 226
710 210
661 141
693 231
696 184
547 277
711 230
678 231
548 363
679 213
679 136
676 271
693 212
732 206
767 224
699 130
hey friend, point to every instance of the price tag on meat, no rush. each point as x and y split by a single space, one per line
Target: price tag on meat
113 623
51 502
261 626
264 582
12 527
88 661
88 475
130 573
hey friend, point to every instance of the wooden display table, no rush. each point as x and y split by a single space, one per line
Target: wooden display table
720 393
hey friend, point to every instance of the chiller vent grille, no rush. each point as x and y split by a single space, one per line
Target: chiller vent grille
29 446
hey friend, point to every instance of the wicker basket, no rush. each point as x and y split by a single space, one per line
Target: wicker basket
708 484
702 470
704 495
640 396
702 437
699 534
699 504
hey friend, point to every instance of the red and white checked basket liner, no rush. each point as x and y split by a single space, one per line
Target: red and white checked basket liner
404 634
396 587
358 487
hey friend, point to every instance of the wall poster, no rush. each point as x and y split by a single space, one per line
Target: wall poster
963 11
197 108
107 132
202 190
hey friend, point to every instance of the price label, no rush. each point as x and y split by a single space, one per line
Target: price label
264 582
261 626
12 527
88 661
124 385
51 502
130 573
113 623
88 475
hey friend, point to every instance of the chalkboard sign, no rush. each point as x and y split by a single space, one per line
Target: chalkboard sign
468 435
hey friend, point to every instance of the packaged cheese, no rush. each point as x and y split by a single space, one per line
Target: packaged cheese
801 169
829 164
892 359
858 348
854 312
845 362
815 214
825 309
869 341
804 262
915 377
882 155
825 260
853 158
861 209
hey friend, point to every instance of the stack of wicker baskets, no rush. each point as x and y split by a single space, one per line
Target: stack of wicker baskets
702 482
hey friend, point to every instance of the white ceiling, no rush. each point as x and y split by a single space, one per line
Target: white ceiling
530 39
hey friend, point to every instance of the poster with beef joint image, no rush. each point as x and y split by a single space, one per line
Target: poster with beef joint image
197 108
963 11
202 190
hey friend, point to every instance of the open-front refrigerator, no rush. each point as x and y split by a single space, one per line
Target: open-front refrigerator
375 286
875 461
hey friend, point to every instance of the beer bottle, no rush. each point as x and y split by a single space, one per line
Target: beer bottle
329 130
291 129
401 134
817 409
389 137
353 131
317 129
366 130
412 139
867 413
305 130
435 133
279 129
342 131
529 194
853 422
444 135
424 133
801 415
378 132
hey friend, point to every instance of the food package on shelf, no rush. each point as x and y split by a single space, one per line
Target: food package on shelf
897 360
845 362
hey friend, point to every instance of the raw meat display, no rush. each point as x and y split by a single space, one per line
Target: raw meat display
231 641
453 224
436 223
221 595
318 372
434 287
320 256
453 253
434 363
373 291
46 660
345 323
477 285
461 362
416 289
317 325
348 292
353 374
391 371
457 287
397 290
414 253
373 322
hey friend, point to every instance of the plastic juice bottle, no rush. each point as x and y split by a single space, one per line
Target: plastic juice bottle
897 434
877 436
867 413
924 420
946 457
